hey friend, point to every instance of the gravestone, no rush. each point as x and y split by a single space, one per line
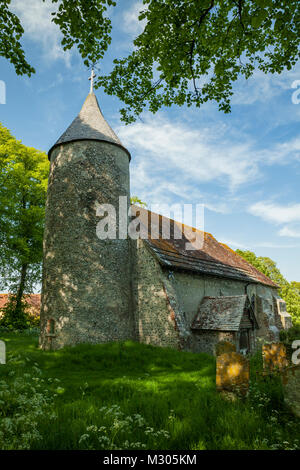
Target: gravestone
223 347
233 373
274 357
291 388
2 353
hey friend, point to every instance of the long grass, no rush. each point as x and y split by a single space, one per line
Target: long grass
130 395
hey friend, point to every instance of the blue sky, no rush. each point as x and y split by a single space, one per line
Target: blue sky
244 166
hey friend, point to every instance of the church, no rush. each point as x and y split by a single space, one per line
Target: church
148 289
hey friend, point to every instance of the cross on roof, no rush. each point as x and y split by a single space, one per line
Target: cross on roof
93 75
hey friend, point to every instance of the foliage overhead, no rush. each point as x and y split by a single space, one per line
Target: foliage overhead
23 183
189 52
288 291
11 32
82 23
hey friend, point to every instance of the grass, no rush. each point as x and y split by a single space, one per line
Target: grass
129 395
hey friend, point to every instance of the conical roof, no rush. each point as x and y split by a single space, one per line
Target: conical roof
89 125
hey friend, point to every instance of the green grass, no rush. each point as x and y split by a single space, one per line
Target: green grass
173 391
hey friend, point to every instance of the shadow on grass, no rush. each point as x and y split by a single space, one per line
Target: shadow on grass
172 390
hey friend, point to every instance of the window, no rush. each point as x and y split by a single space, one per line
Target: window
51 327
281 306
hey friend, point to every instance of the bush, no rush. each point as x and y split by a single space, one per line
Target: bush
20 319
291 334
24 399
121 432
288 336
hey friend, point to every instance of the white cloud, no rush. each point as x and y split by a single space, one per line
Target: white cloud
289 232
274 245
281 153
263 87
130 19
253 245
35 17
172 158
276 213
192 154
233 243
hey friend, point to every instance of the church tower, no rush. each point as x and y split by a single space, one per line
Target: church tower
86 292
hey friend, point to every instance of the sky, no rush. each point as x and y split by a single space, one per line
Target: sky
243 166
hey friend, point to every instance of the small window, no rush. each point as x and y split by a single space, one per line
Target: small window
282 306
51 326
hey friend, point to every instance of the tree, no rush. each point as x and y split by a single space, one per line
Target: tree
193 51
23 186
288 291
189 52
296 285
82 22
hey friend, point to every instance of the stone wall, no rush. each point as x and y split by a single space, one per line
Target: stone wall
206 341
86 294
267 313
190 289
168 301
155 320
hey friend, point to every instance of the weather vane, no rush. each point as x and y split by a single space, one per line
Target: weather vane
93 75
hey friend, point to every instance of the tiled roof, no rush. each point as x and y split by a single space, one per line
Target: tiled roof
212 258
89 125
220 313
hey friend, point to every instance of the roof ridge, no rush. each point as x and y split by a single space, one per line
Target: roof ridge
175 221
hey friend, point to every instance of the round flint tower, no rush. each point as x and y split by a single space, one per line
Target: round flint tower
86 294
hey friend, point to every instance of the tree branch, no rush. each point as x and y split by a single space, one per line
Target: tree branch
240 7
191 51
155 85
205 12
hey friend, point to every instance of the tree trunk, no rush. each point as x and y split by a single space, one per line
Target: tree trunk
18 313
20 291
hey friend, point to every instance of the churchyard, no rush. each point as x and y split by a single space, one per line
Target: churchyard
134 396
